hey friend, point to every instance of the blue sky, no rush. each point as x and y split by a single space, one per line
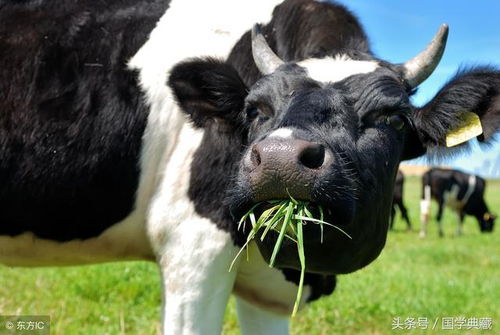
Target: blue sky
398 30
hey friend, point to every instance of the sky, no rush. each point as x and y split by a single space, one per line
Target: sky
398 30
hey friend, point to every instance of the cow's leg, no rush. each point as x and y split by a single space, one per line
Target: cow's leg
393 214
423 226
460 226
439 216
404 214
256 321
196 282
425 208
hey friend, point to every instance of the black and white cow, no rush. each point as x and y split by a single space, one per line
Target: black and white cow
462 192
117 143
397 201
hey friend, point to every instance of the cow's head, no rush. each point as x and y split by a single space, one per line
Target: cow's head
487 223
331 131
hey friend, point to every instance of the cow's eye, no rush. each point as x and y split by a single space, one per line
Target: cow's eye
396 121
262 113
252 113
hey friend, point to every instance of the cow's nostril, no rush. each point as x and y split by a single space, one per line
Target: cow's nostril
255 157
313 156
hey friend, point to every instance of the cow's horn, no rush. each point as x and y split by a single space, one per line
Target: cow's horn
420 67
265 59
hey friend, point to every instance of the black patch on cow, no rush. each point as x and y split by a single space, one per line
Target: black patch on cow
72 115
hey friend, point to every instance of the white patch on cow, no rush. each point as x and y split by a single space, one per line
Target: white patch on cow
471 187
425 209
425 203
254 320
285 133
331 69
266 287
193 254
126 240
171 206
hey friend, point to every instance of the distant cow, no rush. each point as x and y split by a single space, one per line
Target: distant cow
137 129
462 192
397 201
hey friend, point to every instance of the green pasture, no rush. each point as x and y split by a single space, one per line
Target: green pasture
436 278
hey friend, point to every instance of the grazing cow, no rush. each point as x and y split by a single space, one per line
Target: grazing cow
397 200
462 192
119 141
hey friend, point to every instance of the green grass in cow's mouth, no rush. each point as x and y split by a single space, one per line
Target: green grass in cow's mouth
286 217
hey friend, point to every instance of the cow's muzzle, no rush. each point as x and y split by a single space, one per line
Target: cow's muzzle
278 169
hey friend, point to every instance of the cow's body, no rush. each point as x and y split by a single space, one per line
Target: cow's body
397 200
459 191
99 161
95 153
88 136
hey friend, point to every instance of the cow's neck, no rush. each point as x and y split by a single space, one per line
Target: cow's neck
213 171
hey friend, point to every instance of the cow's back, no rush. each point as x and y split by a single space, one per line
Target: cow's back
72 116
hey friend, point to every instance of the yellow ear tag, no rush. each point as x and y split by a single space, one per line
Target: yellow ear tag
470 128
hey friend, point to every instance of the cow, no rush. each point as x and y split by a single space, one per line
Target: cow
143 130
462 192
397 200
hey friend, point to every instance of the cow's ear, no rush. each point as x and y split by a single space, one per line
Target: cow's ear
209 91
467 106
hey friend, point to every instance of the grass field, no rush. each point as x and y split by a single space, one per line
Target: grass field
431 278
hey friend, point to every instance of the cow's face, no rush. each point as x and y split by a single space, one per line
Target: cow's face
487 223
331 144
334 143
